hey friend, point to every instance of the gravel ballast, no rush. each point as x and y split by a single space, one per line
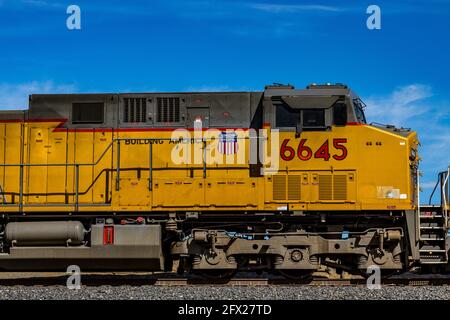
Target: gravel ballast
207 292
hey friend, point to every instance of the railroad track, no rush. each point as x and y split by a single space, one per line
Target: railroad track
168 279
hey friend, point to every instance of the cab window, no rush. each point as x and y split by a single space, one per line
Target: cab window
340 114
307 119
359 110
313 118
286 117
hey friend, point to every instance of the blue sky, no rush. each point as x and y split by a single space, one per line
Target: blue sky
401 71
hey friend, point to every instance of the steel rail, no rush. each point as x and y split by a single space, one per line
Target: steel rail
171 279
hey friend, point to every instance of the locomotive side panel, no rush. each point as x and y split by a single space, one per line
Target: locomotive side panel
355 167
384 172
36 179
102 185
56 175
12 137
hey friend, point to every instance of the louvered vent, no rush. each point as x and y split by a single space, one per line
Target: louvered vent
279 187
340 187
286 191
294 183
135 109
332 187
168 109
325 187
87 112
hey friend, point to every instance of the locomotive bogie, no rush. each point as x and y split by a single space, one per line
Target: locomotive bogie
213 249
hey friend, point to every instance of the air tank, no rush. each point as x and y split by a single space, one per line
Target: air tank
50 233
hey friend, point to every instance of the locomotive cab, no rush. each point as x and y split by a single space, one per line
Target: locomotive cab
344 163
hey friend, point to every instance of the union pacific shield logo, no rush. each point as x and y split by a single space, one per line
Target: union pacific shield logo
228 143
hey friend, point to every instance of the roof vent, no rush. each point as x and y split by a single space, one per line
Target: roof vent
135 110
168 109
327 85
279 86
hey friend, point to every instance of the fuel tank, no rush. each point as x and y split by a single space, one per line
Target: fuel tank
45 233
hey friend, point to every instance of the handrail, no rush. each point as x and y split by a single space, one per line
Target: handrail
2 195
77 172
57 164
418 206
98 160
434 189
78 165
445 191
440 181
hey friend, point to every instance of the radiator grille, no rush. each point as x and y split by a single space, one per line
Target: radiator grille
168 109
294 183
135 109
279 187
286 187
332 187
325 187
340 187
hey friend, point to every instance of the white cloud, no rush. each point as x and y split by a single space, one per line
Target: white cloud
292 8
401 105
435 140
15 96
43 3
428 185
36 2
21 4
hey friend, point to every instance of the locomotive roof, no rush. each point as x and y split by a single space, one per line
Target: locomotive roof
311 90
239 109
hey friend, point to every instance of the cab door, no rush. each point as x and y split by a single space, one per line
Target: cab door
37 175
56 175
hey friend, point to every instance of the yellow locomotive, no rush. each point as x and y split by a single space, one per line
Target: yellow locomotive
284 180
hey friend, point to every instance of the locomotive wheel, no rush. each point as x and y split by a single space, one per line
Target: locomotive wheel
293 274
